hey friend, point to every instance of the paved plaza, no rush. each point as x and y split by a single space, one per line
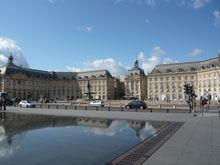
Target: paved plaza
196 142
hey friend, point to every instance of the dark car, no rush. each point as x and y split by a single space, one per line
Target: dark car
136 104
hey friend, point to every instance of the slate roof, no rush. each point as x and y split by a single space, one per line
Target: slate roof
186 66
11 68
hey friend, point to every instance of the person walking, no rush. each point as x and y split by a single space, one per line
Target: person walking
1 101
4 104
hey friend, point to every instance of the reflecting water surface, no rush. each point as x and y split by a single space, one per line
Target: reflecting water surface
36 139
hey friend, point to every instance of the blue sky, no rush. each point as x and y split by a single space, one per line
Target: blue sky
77 35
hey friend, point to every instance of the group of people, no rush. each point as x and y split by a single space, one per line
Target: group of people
2 104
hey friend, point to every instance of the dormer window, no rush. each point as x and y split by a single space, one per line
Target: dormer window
86 76
79 77
203 67
93 76
180 69
169 70
131 74
193 69
136 73
157 71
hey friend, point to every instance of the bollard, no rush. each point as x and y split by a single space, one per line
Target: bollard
135 109
75 107
41 106
219 113
121 109
85 107
151 110
167 110
96 108
48 106
65 106
57 106
108 108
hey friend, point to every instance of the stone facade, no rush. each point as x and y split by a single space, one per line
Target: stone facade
167 81
25 83
136 83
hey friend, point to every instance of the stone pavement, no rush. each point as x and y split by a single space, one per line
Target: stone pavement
196 142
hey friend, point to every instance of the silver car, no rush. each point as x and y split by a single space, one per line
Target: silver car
27 104
97 103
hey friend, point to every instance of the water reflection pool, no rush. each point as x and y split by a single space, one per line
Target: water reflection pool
35 139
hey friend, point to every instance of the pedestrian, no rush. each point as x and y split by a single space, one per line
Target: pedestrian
1 101
4 104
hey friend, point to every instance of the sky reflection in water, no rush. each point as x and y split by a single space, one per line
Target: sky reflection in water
34 139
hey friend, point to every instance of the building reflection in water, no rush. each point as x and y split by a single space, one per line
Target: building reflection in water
13 128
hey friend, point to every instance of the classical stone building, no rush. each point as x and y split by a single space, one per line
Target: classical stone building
25 83
166 81
136 83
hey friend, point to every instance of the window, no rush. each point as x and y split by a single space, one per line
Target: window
150 85
167 78
155 79
186 77
214 81
179 78
161 79
168 86
156 85
173 78
174 96
192 77
161 85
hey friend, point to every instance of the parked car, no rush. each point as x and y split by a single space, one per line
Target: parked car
97 103
27 104
136 104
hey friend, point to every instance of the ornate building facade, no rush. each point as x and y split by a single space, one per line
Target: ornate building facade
25 83
166 81
136 83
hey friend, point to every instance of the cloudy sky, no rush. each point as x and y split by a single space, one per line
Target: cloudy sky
78 35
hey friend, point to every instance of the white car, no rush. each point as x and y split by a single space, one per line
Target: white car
97 103
27 104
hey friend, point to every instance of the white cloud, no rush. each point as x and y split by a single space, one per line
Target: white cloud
150 2
73 69
216 14
112 130
84 28
196 4
199 3
149 63
8 45
115 68
195 52
139 2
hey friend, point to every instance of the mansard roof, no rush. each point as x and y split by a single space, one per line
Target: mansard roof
11 68
136 70
186 66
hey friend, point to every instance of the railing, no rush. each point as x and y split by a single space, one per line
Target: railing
150 108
